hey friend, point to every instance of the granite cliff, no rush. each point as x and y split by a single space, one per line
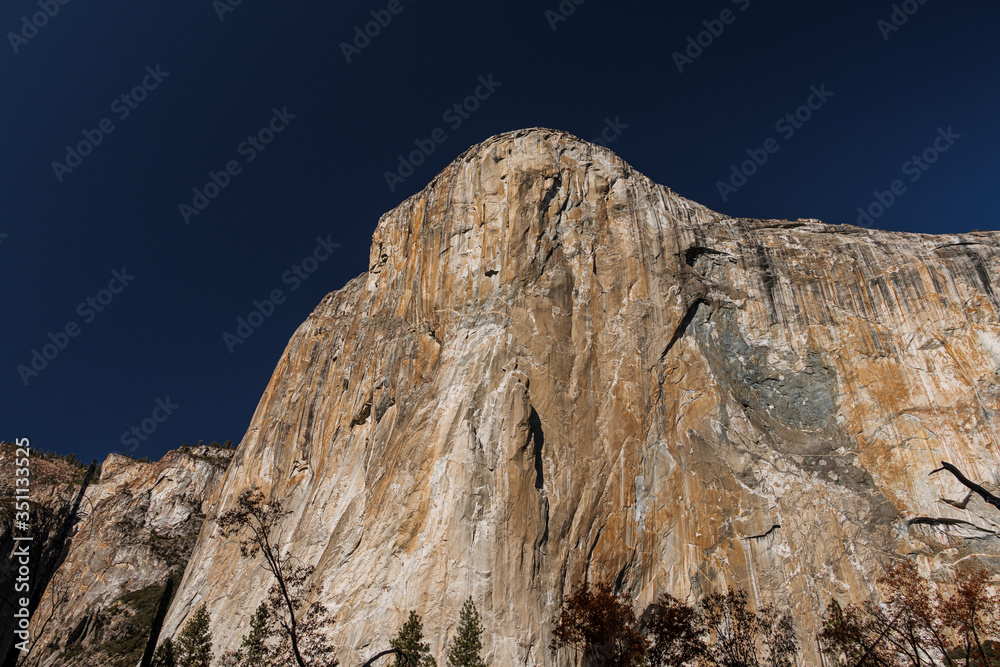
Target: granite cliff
556 369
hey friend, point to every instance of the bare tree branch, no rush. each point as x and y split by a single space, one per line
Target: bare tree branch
983 493
371 661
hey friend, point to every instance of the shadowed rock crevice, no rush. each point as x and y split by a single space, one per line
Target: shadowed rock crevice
682 328
363 414
971 266
537 446
957 527
769 531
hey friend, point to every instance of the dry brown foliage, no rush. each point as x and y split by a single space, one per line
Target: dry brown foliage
915 626
601 625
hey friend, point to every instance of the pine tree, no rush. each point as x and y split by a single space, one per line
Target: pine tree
252 651
164 655
410 642
194 646
253 641
464 651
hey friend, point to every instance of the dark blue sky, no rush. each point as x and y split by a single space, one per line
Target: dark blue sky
211 83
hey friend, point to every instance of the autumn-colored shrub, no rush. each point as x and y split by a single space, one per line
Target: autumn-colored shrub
913 625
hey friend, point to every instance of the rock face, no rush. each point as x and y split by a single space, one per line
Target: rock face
137 527
556 369
56 489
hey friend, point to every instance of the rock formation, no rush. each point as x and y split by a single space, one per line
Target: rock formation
556 369
136 527
56 490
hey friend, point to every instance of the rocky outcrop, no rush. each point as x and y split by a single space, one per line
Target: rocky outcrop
556 369
137 527
56 489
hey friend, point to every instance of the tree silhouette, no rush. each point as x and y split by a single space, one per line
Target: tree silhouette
735 628
254 524
972 613
253 643
600 624
253 651
165 655
677 633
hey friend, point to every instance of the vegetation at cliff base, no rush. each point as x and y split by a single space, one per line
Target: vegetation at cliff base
916 623
117 634
917 626
194 645
293 631
410 640
600 625
165 656
468 641
253 649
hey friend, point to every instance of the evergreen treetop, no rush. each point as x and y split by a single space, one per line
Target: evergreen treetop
410 641
468 641
164 655
194 645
